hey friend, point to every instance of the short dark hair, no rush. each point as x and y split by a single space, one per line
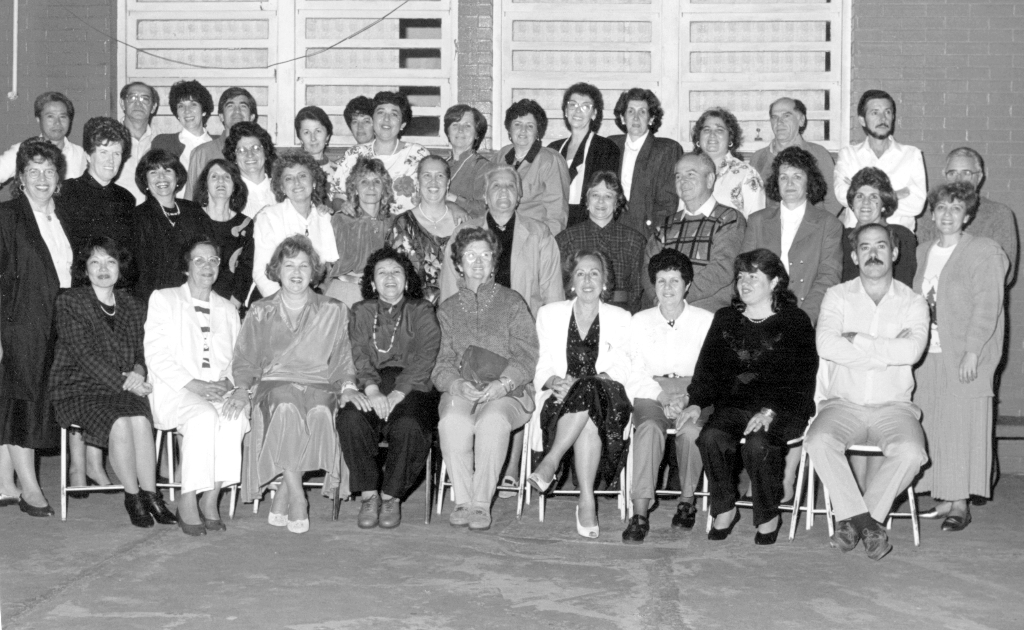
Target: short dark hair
239 194
455 114
359 106
964 192
611 180
397 99
247 129
798 105
585 89
185 258
735 131
413 284
153 94
158 158
877 179
314 113
796 157
370 165
103 130
527 107
122 255
289 159
53 97
868 95
572 261
471 235
670 259
231 93
434 158
639 94
289 248
890 232
191 91
765 261
34 148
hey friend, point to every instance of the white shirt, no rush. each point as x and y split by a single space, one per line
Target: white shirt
791 220
191 142
704 210
937 258
74 156
630 152
657 349
140 147
276 223
57 243
260 196
905 168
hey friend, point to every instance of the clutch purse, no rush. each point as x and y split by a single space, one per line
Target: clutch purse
481 366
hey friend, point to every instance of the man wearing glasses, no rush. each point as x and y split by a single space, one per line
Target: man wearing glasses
139 103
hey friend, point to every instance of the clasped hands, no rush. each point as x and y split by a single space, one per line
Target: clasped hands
234 400
372 400
491 391
135 383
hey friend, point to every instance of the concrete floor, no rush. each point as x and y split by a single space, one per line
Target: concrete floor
97 571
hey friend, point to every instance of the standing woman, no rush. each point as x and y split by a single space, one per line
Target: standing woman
35 266
192 105
164 223
251 149
738 185
544 174
314 129
584 151
223 196
962 277
98 379
466 128
872 200
583 363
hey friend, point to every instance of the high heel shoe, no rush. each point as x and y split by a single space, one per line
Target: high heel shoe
586 532
212 524
722 534
957 523
539 484
137 512
770 537
191 530
154 504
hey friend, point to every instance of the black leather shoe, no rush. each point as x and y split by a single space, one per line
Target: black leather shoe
722 534
876 542
685 516
957 523
154 504
32 510
846 537
137 512
770 537
637 530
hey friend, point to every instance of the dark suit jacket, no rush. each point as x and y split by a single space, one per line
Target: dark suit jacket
652 196
602 156
815 257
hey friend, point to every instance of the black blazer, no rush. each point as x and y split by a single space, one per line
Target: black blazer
159 244
169 142
602 156
652 196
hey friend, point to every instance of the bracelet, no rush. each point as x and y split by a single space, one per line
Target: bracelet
347 385
508 383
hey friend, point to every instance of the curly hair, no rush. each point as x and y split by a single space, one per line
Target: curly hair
103 130
769 264
527 107
239 191
611 180
465 237
247 129
735 131
654 109
795 157
670 259
191 91
588 90
607 270
37 148
455 114
363 166
107 245
292 158
46 98
413 284
963 192
314 113
359 106
185 255
877 179
290 248
157 159
397 99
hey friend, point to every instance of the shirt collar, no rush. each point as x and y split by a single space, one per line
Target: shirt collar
890 145
705 209
639 142
800 142
797 211
890 292
531 155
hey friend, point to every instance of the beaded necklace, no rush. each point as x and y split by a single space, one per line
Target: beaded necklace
394 333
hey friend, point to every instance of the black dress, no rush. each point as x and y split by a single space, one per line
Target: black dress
603 399
235 276
161 237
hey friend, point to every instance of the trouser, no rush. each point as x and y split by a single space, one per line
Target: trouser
211 447
408 430
475 445
893 427
649 449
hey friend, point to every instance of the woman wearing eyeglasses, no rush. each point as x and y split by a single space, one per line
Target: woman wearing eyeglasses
251 149
584 151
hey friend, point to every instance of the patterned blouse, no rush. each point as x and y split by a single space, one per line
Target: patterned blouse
739 186
425 250
401 165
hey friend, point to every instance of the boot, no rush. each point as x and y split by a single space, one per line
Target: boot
154 504
136 510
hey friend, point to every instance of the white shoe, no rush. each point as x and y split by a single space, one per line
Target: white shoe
298 527
277 520
586 532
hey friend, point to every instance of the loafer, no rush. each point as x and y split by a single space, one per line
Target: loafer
876 542
32 510
479 519
637 530
211 524
722 534
685 516
957 523
846 537
459 516
770 537
390 513
369 513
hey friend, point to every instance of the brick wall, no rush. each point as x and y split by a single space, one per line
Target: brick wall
476 56
57 52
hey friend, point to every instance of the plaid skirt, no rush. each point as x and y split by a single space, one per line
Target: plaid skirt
96 413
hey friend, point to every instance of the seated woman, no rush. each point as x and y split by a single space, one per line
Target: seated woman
98 378
583 363
485 370
664 343
395 338
190 335
292 360
757 368
872 200
222 194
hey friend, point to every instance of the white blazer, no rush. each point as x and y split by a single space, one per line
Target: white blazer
553 333
174 348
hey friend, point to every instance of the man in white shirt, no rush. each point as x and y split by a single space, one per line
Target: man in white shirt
139 103
55 114
871 331
903 163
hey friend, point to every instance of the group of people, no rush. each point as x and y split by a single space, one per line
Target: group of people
284 313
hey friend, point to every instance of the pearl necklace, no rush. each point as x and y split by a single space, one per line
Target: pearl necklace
112 312
441 218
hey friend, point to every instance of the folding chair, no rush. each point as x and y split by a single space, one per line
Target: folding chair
703 494
171 484
428 488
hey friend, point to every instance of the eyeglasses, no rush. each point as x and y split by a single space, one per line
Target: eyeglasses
139 98
958 175
212 261
471 256
584 107
256 150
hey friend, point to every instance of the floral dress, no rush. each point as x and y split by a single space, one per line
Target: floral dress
739 186
424 249
401 165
